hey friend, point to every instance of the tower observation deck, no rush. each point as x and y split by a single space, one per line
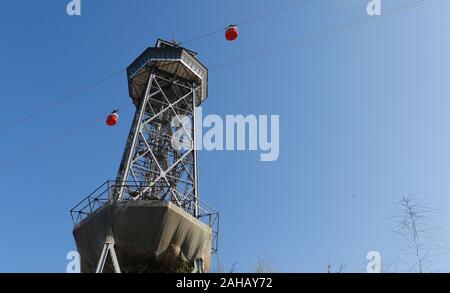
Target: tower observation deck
151 218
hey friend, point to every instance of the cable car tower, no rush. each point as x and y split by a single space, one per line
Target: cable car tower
151 219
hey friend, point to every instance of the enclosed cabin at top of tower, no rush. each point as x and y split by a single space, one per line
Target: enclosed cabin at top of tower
175 63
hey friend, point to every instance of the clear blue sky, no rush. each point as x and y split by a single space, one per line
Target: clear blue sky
363 111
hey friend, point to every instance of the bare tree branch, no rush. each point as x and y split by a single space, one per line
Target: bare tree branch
413 226
263 266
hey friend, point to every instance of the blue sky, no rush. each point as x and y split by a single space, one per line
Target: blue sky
363 111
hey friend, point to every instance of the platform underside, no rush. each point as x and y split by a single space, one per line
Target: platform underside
149 236
176 63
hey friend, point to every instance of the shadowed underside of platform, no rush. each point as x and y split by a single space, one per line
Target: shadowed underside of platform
149 236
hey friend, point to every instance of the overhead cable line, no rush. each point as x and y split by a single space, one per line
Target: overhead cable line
304 39
294 42
93 85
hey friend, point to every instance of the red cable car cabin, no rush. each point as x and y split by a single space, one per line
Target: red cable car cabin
231 33
112 119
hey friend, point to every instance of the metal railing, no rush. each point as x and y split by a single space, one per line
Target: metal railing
210 217
108 191
91 203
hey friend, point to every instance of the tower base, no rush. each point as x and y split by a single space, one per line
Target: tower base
148 236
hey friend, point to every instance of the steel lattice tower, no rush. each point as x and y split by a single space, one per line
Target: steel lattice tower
166 86
150 219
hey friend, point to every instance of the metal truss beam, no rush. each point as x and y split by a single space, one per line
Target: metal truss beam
168 173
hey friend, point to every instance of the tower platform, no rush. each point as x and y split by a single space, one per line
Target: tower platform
149 236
